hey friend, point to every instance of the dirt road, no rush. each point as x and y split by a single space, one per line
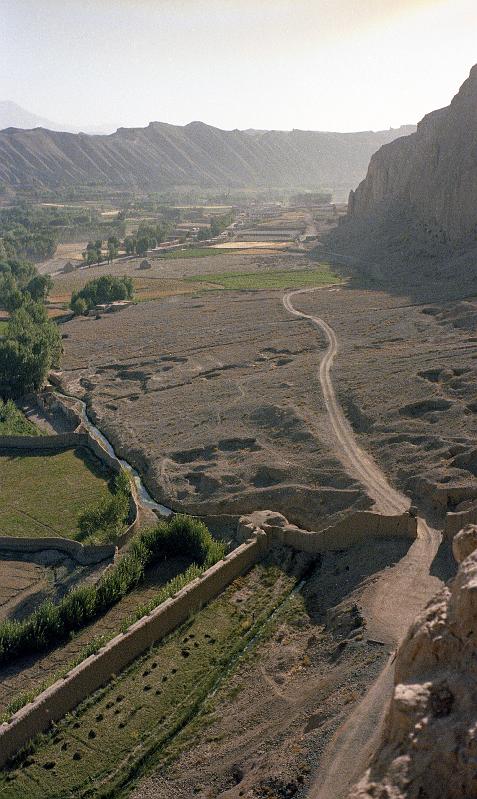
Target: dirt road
389 602
358 463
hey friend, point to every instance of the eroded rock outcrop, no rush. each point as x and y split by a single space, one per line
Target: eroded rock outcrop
429 177
430 739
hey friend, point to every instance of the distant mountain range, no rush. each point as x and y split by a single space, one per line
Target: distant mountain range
13 115
162 156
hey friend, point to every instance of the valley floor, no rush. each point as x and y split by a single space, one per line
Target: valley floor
214 397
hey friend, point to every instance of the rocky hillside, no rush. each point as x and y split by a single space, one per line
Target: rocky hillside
162 156
430 176
429 749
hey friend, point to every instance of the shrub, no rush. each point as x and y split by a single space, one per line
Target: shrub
51 623
13 422
106 521
79 306
187 536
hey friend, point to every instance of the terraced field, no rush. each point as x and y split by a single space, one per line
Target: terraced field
123 729
29 675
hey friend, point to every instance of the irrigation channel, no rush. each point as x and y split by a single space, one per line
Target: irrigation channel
144 496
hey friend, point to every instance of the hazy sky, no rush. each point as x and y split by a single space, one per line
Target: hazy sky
314 64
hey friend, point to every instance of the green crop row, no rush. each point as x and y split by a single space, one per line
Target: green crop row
52 623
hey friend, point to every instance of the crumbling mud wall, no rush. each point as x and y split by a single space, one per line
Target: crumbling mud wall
456 521
83 555
355 528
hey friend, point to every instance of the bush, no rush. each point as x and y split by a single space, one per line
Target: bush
106 521
50 623
13 422
79 306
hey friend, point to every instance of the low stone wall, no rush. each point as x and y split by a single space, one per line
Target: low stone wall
84 555
456 521
358 527
65 694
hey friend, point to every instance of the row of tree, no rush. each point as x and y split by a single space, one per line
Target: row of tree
24 233
94 251
146 238
217 225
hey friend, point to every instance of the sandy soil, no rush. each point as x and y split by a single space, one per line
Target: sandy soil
72 251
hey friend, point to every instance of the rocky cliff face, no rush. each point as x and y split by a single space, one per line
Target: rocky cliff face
429 176
430 741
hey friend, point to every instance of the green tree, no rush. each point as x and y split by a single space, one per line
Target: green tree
106 288
79 306
142 245
39 287
30 348
130 245
113 248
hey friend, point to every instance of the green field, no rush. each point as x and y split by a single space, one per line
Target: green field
146 713
197 252
3 327
270 279
44 494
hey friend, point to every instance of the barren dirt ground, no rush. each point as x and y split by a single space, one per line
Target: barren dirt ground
209 396
223 406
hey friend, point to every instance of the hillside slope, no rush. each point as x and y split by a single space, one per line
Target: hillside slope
162 155
429 177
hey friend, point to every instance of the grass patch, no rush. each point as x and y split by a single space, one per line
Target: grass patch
14 423
270 279
147 714
44 494
197 252
3 327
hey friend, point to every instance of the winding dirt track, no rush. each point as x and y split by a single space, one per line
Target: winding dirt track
389 603
357 462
